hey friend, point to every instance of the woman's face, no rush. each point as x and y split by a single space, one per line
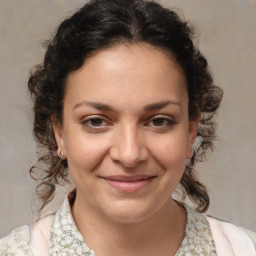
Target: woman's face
126 132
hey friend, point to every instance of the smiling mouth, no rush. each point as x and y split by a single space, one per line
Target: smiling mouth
126 184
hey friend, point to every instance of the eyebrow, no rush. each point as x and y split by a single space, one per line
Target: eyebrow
105 107
160 105
96 105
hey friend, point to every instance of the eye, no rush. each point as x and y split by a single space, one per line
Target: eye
95 123
161 122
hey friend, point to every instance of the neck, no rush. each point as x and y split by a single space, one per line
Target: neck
160 234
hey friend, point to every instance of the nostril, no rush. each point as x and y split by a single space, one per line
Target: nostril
128 157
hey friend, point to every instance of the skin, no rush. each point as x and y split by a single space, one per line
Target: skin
144 131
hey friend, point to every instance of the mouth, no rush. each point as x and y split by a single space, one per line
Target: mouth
128 184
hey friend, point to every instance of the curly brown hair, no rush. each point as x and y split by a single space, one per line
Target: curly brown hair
101 24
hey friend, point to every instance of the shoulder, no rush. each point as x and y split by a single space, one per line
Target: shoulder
251 234
28 240
40 236
230 239
16 243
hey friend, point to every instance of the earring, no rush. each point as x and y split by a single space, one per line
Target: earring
62 155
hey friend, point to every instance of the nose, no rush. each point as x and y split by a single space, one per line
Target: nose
128 148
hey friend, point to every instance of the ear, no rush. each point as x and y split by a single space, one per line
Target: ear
193 126
58 133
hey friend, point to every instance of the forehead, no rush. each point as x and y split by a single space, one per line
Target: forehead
130 71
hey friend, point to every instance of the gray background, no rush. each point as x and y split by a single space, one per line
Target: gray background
227 38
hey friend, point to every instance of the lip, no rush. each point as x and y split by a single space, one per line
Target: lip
128 184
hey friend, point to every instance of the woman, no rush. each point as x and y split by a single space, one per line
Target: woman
124 103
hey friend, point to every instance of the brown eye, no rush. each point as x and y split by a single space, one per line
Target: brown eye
162 122
159 121
96 122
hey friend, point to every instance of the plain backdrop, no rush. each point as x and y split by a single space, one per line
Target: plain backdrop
228 40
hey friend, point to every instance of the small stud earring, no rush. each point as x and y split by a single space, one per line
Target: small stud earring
62 155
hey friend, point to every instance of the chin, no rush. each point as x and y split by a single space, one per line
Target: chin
129 212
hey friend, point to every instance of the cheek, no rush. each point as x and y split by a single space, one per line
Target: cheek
84 153
170 151
172 157
173 161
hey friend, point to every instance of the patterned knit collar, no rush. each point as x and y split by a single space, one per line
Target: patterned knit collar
198 238
65 239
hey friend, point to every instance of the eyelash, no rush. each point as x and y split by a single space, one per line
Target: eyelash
87 122
167 123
